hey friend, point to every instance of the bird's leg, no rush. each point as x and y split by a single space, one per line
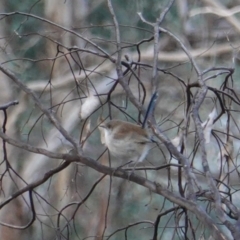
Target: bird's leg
121 166
134 166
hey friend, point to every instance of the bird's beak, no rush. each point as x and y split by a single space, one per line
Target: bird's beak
101 128
100 122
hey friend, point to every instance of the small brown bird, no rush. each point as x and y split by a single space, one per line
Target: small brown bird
129 141
126 140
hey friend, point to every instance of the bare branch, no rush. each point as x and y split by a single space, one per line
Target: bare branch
7 105
49 114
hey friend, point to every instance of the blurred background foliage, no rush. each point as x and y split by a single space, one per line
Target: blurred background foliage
39 53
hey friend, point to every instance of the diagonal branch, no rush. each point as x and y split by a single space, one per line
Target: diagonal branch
48 113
